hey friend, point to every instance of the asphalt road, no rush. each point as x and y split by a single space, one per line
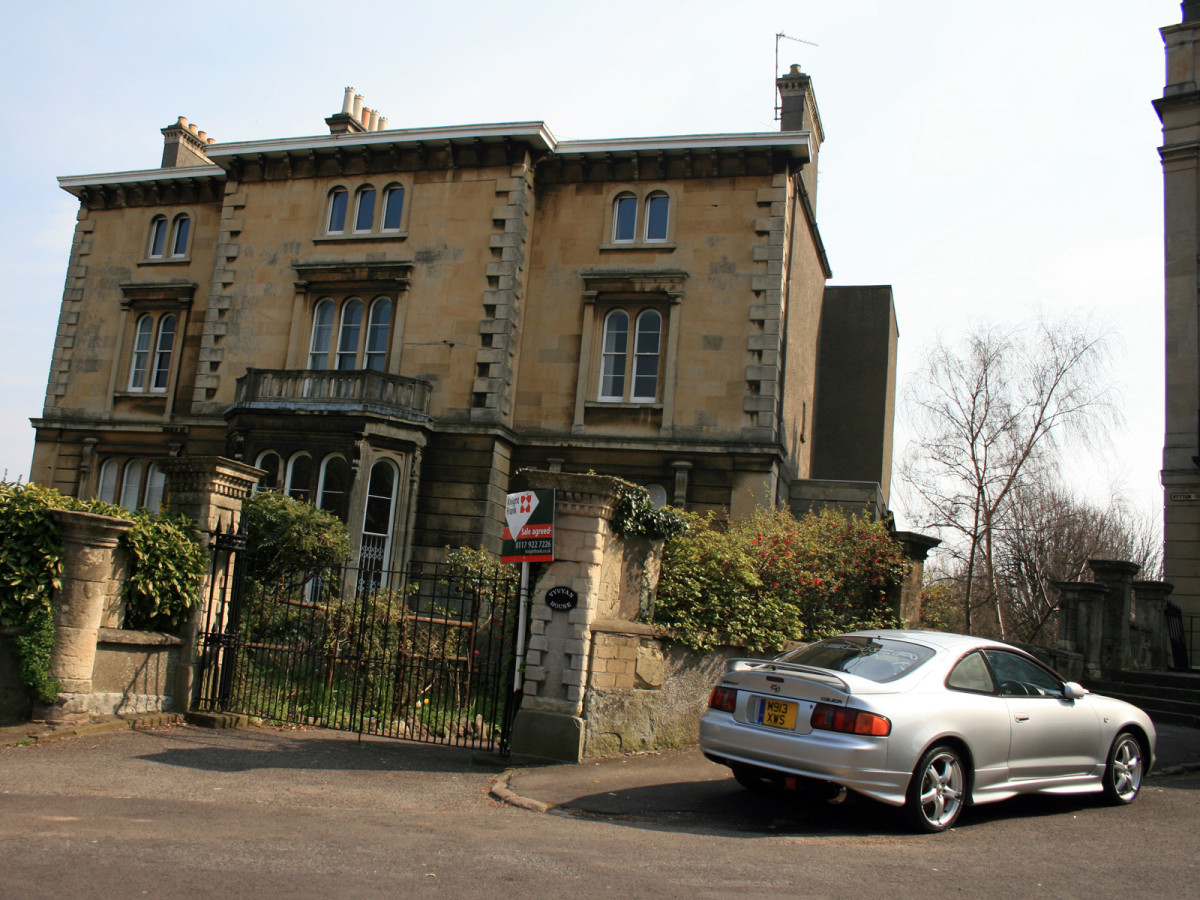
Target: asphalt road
189 812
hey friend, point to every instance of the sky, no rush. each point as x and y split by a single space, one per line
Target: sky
990 161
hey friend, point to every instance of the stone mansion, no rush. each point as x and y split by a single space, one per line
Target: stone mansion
392 323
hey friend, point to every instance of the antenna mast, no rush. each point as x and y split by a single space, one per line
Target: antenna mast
778 36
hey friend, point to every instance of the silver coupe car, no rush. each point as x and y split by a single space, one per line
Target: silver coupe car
923 720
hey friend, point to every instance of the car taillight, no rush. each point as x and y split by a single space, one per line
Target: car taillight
850 721
723 698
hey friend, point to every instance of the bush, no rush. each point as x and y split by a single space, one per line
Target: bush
773 578
288 539
166 569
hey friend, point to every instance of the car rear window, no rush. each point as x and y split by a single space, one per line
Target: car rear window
875 658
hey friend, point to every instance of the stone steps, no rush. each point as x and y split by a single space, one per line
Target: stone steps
1171 698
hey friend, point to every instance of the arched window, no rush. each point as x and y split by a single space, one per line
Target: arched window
646 347
162 353
157 337
109 472
270 461
335 223
300 476
334 485
131 484
615 350
393 208
322 335
657 212
158 238
356 347
364 212
348 335
627 377
375 356
379 512
183 228
156 484
143 336
624 219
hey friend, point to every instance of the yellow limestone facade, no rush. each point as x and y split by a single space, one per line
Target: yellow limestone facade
392 322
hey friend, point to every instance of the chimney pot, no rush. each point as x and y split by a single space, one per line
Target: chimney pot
212 140
348 100
202 134
383 123
373 124
357 109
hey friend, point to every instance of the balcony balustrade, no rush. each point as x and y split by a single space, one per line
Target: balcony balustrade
332 391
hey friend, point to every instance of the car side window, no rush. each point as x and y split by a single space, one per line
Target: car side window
971 674
1021 677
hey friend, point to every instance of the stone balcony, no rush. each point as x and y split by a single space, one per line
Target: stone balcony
332 391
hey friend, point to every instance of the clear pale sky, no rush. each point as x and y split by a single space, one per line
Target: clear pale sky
985 159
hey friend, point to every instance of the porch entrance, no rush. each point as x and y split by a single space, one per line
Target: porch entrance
423 654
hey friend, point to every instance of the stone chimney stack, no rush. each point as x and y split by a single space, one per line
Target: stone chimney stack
184 145
798 112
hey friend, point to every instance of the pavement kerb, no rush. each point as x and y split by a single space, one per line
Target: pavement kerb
44 732
501 791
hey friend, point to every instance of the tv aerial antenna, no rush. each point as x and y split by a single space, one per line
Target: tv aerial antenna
779 35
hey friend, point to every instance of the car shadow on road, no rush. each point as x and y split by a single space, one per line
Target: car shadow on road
241 750
724 807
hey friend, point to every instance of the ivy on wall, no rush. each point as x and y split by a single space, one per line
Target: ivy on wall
167 566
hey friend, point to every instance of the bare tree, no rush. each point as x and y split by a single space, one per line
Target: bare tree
989 414
1048 536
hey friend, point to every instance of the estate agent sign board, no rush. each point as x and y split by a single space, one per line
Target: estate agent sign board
528 527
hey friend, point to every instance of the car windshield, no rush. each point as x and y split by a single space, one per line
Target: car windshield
876 658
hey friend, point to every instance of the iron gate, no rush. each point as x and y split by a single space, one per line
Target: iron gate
425 654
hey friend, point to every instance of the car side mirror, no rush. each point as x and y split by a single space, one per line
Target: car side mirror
1073 691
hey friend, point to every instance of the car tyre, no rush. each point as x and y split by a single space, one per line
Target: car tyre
937 790
1124 770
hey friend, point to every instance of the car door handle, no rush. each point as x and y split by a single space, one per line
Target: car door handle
1021 717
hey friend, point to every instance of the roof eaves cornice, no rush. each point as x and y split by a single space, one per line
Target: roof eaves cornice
75 183
535 133
796 143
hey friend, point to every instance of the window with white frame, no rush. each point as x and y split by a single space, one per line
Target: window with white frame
379 513
334 485
299 481
640 218
631 358
347 335
131 483
375 212
169 240
153 346
272 464
364 210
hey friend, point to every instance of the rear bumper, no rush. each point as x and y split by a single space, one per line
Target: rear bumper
854 761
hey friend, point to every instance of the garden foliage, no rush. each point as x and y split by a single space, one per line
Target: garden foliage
165 572
772 578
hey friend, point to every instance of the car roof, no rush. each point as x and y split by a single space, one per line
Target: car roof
939 640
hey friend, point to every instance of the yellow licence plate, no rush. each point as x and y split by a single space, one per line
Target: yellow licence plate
779 714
